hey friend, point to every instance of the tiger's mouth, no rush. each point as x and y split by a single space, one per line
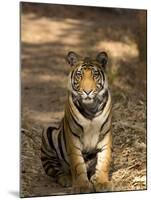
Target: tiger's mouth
87 100
88 97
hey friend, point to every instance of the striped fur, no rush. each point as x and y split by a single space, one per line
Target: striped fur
78 151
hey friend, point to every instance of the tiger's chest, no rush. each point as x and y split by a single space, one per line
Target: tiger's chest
90 136
92 129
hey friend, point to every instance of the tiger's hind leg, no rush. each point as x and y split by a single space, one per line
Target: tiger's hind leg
50 160
49 157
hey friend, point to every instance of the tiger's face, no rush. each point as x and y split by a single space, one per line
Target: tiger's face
87 80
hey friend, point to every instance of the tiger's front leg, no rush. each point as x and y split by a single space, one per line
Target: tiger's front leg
80 181
100 179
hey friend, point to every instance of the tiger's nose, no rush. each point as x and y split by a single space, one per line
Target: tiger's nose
88 91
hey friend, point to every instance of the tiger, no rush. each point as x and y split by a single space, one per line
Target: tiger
78 152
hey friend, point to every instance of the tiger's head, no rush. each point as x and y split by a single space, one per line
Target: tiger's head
87 79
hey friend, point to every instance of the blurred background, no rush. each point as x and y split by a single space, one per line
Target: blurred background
48 32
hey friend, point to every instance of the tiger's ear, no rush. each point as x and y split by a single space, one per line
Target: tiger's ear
72 58
102 58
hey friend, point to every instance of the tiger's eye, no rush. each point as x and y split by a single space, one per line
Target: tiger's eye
78 73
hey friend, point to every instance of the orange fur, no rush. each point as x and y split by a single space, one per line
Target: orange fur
87 82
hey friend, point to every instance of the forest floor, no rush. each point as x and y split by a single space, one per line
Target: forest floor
47 34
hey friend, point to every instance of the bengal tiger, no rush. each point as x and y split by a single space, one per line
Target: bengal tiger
78 152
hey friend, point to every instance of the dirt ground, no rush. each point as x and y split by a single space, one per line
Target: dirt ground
47 34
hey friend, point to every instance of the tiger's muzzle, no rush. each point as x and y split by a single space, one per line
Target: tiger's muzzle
87 96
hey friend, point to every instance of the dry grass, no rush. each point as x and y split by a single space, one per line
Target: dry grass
47 36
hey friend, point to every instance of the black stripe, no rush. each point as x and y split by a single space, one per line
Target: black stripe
77 148
71 130
72 80
106 94
72 74
44 158
44 152
105 100
60 147
100 149
58 173
55 166
64 138
51 163
50 158
76 135
107 130
64 147
49 135
46 163
50 139
47 168
47 154
70 110
103 76
104 122
76 121
71 118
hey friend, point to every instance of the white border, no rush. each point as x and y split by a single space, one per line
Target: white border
9 98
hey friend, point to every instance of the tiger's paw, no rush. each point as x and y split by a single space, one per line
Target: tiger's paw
65 180
101 185
83 187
